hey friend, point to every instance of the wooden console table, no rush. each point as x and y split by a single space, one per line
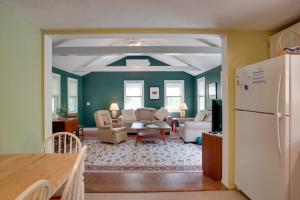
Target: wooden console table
212 155
66 124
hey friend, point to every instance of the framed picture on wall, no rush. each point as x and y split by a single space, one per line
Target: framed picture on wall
154 93
212 90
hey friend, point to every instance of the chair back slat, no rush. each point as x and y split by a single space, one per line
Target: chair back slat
74 189
40 190
61 142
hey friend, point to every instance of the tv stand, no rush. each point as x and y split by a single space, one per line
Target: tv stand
212 155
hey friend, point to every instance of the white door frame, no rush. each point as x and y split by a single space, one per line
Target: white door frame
225 86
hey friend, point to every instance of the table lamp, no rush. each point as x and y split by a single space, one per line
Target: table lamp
183 107
114 110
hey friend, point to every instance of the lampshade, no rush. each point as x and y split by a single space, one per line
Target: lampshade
114 106
183 106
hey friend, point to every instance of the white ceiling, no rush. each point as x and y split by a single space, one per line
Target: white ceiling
82 55
83 14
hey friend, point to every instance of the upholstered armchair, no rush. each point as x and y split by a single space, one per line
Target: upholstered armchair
108 131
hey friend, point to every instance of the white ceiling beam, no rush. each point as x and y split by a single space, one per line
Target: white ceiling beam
169 50
133 68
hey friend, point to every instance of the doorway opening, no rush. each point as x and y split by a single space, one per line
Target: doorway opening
186 74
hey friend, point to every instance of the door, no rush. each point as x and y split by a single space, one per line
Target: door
261 156
263 87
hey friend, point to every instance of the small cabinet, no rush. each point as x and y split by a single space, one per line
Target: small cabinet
212 155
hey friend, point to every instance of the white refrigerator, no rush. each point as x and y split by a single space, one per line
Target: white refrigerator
267 129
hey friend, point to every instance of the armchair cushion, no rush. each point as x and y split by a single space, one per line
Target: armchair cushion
117 130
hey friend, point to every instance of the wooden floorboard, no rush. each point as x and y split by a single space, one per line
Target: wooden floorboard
96 182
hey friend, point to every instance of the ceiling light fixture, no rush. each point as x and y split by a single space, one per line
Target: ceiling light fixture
134 43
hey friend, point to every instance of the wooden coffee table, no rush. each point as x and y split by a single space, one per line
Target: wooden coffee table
157 130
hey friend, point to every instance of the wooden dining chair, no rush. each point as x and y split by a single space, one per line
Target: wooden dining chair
40 190
61 142
74 189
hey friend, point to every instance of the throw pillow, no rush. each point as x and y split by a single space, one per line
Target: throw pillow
200 117
161 114
129 115
208 117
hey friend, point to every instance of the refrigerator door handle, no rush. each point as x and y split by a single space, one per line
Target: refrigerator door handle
278 116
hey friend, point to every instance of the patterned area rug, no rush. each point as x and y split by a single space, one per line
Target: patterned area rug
151 156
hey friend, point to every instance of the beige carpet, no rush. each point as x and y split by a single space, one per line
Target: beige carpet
205 195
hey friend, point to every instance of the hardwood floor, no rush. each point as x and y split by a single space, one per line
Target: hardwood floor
126 182
149 182
203 195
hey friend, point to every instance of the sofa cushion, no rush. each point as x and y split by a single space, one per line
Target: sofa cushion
129 115
161 114
200 117
145 114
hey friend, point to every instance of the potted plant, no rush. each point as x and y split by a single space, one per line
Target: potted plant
61 112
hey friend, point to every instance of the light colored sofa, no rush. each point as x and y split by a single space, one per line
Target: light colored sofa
143 115
109 132
190 130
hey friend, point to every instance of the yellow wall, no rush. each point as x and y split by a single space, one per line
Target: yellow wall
20 84
243 47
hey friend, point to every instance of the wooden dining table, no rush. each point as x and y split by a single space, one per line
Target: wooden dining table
19 171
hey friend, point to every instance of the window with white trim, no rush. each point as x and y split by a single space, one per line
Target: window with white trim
201 94
55 92
72 95
174 94
133 94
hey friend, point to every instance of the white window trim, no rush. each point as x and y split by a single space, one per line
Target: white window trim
134 81
165 93
59 88
76 109
198 102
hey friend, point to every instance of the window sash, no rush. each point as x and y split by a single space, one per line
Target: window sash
55 103
201 103
133 98
201 93
133 102
55 92
174 94
72 95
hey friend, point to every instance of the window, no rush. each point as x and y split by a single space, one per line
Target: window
174 95
133 94
55 91
72 95
201 93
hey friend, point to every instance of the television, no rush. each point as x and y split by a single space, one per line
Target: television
216 115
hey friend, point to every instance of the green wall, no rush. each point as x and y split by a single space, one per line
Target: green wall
21 125
64 89
101 88
211 76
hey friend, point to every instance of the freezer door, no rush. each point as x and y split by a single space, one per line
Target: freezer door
263 87
261 156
